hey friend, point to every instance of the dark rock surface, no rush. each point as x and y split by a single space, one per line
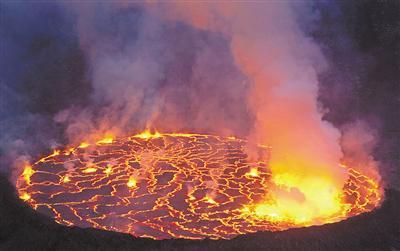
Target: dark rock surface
22 228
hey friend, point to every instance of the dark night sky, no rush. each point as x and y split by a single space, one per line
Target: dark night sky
362 41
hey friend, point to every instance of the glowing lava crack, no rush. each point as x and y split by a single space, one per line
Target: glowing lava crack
170 186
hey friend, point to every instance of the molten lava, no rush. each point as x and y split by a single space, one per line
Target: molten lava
182 186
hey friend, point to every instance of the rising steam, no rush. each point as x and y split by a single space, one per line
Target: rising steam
281 64
230 69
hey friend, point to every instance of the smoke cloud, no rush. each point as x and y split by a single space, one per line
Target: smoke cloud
281 63
79 70
148 73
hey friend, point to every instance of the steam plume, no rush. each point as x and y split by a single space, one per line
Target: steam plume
247 70
281 64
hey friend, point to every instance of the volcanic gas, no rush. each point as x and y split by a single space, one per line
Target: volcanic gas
179 186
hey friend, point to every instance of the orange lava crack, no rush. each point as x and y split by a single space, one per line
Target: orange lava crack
169 186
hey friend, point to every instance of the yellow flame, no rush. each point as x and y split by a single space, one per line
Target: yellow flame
89 170
253 172
210 200
107 140
182 134
55 153
301 200
25 196
66 179
27 173
267 211
147 134
84 145
108 170
131 182
69 151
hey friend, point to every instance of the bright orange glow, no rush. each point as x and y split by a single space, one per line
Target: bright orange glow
27 173
313 200
301 203
107 140
204 184
108 170
89 170
148 135
210 200
253 172
84 145
25 196
69 151
131 182
66 179
55 153
265 210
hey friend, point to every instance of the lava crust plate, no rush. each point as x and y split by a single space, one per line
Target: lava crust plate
163 186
